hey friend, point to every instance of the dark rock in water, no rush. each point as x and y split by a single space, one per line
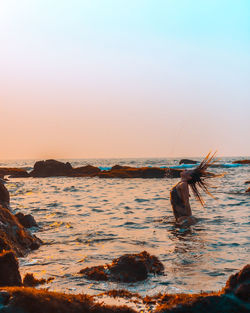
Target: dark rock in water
127 268
4 196
50 168
30 281
87 170
13 236
14 172
248 190
119 171
241 162
187 161
173 173
26 220
9 271
247 182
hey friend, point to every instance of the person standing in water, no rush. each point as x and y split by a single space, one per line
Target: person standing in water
195 179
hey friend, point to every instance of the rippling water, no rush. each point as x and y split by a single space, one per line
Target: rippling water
89 221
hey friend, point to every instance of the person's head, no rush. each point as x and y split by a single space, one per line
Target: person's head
197 177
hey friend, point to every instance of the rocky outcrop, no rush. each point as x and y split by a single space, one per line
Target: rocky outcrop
26 220
118 171
241 162
9 270
14 172
187 161
50 168
127 268
13 236
87 170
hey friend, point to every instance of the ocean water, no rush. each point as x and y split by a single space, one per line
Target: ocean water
89 221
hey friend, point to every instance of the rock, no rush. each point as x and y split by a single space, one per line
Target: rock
235 280
87 170
50 168
14 172
26 220
31 300
187 161
247 182
248 190
119 171
9 271
13 236
241 162
4 196
127 268
30 281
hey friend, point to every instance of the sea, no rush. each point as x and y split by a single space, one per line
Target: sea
87 221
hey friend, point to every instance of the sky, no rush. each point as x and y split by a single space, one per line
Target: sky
115 78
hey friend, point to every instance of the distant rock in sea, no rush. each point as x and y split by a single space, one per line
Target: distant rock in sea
187 161
241 162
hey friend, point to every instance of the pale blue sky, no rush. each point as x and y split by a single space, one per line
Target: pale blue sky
124 78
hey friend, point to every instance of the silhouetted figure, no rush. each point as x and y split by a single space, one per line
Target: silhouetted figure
179 194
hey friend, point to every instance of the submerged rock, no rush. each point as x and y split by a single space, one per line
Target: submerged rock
187 161
9 270
13 236
50 168
127 268
26 220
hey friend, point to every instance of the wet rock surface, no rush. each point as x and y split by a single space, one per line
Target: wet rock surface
13 236
9 270
26 221
4 195
127 268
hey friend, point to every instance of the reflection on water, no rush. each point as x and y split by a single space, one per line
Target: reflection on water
90 221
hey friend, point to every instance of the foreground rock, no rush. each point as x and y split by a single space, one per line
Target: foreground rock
234 298
127 268
241 162
30 300
9 271
187 161
13 236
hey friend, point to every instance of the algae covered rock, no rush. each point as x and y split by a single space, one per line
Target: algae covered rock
13 236
9 270
127 268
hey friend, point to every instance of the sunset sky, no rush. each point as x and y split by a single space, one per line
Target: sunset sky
114 78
